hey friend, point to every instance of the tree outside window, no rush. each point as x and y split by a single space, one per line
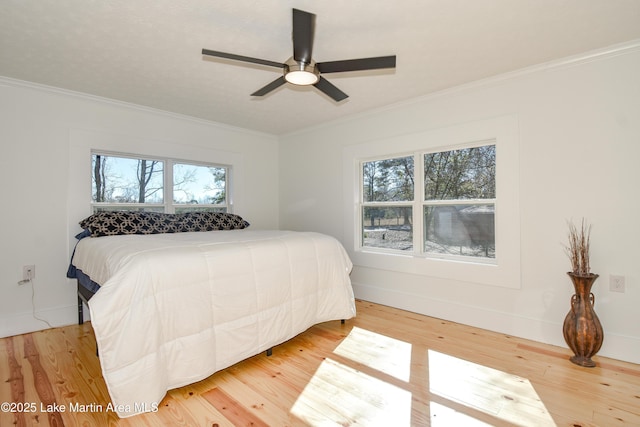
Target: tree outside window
387 214
459 207
122 182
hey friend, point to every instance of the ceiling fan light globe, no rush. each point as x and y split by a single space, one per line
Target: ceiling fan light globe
301 78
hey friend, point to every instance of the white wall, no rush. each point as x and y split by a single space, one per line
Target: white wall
579 141
579 147
45 137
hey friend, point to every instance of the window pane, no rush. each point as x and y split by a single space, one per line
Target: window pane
126 180
194 184
388 180
387 228
461 174
467 230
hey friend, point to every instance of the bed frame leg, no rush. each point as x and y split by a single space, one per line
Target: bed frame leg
80 311
269 351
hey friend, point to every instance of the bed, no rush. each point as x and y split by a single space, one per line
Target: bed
172 304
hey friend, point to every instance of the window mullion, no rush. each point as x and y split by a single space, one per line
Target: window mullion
418 196
168 187
447 202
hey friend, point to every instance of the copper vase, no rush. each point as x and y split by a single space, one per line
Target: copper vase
582 329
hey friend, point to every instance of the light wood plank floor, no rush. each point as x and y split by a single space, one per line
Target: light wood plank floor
387 367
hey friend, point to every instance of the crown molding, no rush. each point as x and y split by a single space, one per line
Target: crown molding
11 82
570 61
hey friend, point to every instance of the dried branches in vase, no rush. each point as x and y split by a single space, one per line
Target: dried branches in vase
578 248
582 329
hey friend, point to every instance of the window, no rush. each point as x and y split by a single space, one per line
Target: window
449 213
387 208
197 187
459 202
417 234
122 182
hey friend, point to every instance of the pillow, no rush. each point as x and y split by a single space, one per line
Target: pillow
209 221
112 223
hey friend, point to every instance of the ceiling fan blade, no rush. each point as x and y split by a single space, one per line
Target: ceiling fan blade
271 86
242 58
329 89
304 25
357 64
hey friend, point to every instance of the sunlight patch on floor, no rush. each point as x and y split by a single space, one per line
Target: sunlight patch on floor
493 392
382 353
342 395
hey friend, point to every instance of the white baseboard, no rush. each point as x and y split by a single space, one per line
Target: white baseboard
615 346
22 323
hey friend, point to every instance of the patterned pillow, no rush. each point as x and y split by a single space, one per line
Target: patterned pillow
133 222
209 221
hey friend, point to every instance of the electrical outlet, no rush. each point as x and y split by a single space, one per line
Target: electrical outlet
616 283
28 272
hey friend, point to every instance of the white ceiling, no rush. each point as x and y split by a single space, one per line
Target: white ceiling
148 52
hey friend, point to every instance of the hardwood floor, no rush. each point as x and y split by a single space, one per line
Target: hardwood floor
386 367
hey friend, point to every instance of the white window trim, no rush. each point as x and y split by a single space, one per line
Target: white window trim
506 271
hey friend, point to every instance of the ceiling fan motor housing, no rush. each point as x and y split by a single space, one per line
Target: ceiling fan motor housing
301 73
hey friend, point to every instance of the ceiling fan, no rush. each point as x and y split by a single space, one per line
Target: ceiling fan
301 69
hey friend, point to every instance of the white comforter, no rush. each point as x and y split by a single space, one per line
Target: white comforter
175 308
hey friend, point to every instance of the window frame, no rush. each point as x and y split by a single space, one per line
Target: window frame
505 272
419 203
387 204
452 202
168 205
